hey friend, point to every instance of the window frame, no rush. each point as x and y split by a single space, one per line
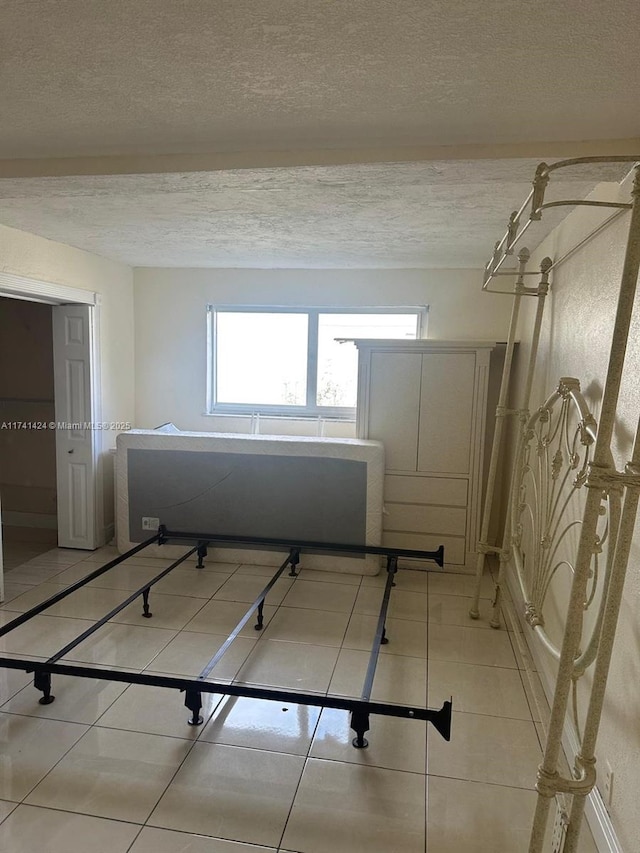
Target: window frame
310 410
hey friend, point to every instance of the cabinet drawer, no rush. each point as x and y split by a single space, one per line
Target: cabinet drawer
417 518
445 491
454 546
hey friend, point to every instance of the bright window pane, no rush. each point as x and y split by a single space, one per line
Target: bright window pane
261 358
338 363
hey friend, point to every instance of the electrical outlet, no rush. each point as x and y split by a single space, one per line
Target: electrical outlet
608 784
150 523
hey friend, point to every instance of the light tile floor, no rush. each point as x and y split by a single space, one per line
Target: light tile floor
115 768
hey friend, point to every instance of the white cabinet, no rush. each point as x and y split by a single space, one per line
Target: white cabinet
426 401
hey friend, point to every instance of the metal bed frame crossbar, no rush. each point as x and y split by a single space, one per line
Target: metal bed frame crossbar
359 709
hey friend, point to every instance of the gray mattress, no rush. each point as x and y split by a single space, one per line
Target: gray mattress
324 490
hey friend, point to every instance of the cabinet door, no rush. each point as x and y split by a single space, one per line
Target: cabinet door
446 412
394 403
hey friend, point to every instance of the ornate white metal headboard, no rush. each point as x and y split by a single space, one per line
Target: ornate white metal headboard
547 503
569 504
555 477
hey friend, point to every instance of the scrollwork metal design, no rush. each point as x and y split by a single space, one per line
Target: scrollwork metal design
551 477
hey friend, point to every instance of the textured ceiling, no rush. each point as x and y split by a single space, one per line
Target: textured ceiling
89 77
438 214
291 82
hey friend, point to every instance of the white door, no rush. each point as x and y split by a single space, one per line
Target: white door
446 412
394 406
77 444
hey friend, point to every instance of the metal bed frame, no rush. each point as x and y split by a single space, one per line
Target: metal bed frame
562 458
193 688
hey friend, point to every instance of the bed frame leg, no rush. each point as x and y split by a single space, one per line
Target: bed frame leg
193 701
360 725
294 559
145 604
202 553
384 639
42 681
260 622
392 566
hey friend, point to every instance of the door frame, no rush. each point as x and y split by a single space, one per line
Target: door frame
36 290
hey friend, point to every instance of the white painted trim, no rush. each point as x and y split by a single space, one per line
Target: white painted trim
36 290
600 824
18 286
102 536
417 343
15 518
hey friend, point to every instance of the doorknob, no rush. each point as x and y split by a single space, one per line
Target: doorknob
70 451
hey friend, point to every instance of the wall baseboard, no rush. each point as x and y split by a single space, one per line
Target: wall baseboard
595 812
108 534
14 518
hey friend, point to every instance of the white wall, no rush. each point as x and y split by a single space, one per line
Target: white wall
34 257
575 341
170 330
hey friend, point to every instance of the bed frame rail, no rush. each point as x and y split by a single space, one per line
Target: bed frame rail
193 688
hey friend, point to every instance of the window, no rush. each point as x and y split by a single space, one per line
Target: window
287 361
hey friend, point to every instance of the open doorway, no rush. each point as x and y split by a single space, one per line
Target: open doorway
27 446
68 323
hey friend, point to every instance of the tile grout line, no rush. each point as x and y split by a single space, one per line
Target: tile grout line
277 609
89 727
326 693
192 742
68 812
341 646
508 612
262 631
361 586
210 715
